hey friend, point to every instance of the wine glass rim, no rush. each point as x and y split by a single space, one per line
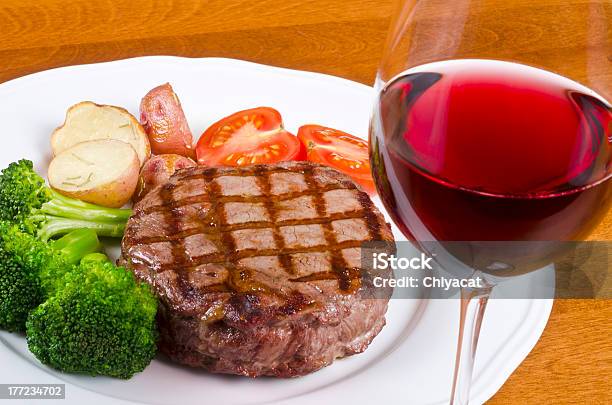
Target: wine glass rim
420 67
543 193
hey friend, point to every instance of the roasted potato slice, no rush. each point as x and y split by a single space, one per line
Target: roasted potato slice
103 172
87 121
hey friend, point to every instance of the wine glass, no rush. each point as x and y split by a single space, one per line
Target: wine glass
493 123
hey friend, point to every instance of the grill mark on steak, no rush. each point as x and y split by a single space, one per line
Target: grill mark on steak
216 258
203 198
369 216
350 274
206 229
239 279
172 223
263 178
345 282
211 174
227 243
217 220
241 170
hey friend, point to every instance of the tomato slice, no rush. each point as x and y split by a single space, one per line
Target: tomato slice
340 150
248 137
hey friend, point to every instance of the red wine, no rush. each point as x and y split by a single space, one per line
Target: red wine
481 150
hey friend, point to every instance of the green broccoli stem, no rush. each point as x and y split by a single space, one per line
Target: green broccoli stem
66 207
95 258
77 244
53 226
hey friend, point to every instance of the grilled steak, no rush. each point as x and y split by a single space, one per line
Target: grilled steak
258 269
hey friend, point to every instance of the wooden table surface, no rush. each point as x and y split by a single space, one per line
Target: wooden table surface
572 362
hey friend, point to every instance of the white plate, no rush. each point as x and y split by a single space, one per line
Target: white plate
410 362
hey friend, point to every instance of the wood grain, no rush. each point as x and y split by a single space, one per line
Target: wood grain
572 362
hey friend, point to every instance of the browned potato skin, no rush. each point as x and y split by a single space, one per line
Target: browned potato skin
158 170
164 121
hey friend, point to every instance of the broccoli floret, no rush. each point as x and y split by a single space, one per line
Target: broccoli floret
20 292
20 289
23 258
99 321
26 200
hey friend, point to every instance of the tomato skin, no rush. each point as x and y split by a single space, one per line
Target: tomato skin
302 154
246 137
340 150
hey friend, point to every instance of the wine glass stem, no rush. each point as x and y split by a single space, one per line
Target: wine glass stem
473 304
